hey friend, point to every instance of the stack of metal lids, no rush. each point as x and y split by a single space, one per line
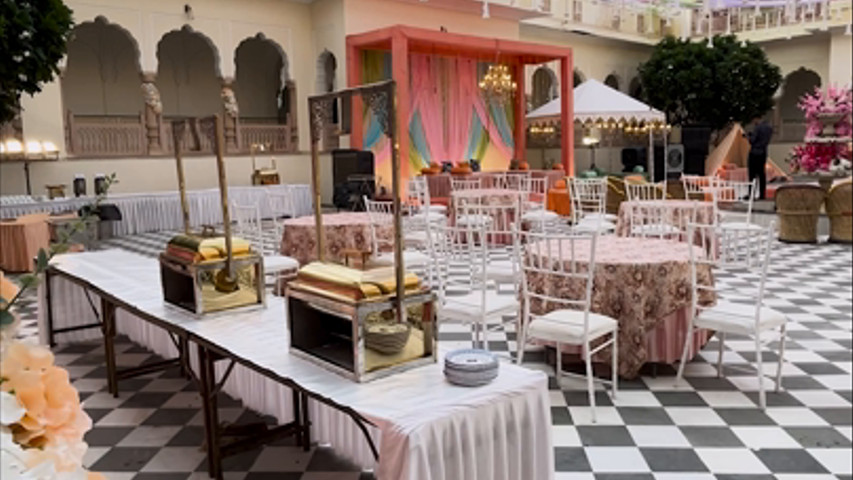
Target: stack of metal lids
470 367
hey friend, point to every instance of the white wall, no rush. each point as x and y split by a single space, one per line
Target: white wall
840 59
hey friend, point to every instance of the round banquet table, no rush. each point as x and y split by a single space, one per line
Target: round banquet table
678 213
344 231
645 285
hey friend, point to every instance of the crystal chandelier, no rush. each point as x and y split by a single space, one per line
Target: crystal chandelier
497 84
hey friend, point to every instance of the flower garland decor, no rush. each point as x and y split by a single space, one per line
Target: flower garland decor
42 421
828 131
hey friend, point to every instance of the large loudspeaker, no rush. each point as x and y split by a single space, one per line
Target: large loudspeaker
675 160
695 140
353 177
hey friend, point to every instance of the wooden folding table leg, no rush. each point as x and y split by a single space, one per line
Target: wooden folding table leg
207 382
108 327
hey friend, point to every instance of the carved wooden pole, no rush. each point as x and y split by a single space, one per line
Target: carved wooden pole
153 113
231 114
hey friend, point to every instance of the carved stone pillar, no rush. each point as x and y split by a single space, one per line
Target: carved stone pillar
153 115
231 114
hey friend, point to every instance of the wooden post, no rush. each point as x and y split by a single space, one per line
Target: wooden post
520 111
400 74
314 136
177 134
567 118
354 80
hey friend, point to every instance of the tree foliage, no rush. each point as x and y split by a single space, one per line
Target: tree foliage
711 84
33 36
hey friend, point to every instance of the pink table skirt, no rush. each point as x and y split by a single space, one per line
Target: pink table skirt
664 344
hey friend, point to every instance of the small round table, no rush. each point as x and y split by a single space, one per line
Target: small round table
645 285
345 232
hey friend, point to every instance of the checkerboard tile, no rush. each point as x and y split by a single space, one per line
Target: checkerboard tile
704 428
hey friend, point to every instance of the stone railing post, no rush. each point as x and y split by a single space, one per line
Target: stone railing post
232 113
153 115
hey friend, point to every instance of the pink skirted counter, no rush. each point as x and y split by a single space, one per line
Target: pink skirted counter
645 285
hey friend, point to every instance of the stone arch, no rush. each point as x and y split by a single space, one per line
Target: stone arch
327 66
102 70
261 75
578 77
612 81
188 74
795 84
545 86
635 89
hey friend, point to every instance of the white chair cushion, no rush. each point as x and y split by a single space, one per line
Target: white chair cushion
740 226
467 308
411 258
566 326
608 217
415 239
438 208
433 216
589 227
652 229
279 263
502 271
473 219
540 216
738 318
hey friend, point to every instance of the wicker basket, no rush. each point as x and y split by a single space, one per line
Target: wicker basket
839 208
798 207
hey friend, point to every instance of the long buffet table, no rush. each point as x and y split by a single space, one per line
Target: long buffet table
157 211
424 427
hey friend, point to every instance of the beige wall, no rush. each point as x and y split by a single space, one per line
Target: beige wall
809 52
840 58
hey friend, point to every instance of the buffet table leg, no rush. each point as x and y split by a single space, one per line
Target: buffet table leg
211 414
108 322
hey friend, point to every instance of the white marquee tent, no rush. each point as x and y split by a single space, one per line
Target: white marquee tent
596 102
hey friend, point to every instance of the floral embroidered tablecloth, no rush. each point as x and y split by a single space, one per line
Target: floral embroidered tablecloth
344 231
638 281
678 213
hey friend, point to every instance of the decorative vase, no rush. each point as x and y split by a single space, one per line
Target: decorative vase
828 121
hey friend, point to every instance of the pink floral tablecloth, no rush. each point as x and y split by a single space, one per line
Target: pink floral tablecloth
344 231
678 212
642 283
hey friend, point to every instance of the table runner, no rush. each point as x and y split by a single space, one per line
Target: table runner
158 211
427 429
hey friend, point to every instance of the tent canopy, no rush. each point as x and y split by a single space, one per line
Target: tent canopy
596 102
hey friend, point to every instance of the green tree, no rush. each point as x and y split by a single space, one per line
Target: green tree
711 84
33 35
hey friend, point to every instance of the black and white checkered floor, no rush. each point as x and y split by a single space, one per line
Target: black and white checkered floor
706 428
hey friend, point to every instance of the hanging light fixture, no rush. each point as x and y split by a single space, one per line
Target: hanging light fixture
497 84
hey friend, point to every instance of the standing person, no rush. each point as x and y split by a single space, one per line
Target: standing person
759 139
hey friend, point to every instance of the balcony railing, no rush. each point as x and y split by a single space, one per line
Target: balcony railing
807 15
126 135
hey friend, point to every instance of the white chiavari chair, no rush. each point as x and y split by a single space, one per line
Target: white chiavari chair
733 209
654 219
420 200
742 311
511 180
381 215
695 186
589 204
463 183
645 191
534 202
250 228
501 239
552 260
464 293
281 206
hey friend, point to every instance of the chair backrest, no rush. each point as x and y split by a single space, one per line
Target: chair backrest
697 184
727 194
588 195
655 219
535 192
465 183
734 251
461 259
511 180
249 225
550 260
418 196
645 191
381 214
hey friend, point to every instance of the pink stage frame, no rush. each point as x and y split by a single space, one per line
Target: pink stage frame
402 41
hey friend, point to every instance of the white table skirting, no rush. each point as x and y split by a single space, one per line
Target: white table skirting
426 428
158 211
